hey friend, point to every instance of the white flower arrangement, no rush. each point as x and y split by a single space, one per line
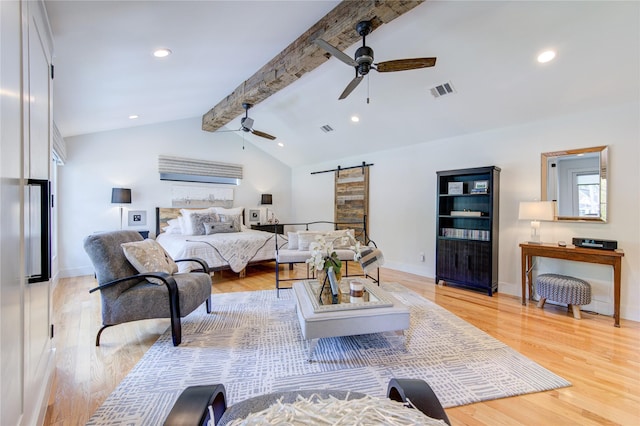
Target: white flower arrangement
324 256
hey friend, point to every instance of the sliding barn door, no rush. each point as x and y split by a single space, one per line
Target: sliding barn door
352 198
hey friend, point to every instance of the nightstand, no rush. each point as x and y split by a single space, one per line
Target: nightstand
269 227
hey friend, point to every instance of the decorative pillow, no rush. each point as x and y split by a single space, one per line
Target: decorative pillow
149 256
197 222
218 227
235 220
186 223
305 238
293 240
337 237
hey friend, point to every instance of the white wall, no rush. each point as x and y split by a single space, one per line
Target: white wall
402 190
129 158
402 197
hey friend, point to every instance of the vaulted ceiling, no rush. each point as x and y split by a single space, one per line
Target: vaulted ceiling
487 50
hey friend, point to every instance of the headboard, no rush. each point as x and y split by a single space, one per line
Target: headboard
165 214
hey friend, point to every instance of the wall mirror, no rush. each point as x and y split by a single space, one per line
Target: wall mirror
576 180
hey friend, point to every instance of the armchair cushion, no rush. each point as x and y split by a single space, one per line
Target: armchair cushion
147 300
149 256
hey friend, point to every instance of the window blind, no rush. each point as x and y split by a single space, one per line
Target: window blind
192 170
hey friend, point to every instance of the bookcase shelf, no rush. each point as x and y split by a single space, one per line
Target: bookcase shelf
467 228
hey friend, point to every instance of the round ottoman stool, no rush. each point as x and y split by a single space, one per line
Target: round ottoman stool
563 289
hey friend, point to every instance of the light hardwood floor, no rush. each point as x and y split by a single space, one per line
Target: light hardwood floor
601 362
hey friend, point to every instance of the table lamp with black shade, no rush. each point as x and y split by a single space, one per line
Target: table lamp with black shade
121 196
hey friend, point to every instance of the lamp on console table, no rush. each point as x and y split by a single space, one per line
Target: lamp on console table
267 200
121 196
535 211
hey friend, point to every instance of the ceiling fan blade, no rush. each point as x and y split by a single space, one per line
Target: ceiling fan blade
354 83
405 64
263 134
336 52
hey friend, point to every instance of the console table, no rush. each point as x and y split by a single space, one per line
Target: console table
578 254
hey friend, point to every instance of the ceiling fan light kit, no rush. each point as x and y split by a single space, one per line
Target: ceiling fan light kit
363 59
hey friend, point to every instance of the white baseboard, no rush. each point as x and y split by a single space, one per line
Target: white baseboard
76 272
409 268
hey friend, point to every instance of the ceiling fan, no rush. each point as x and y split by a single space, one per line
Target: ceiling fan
246 124
363 61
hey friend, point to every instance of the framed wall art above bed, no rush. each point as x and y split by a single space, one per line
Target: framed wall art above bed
194 196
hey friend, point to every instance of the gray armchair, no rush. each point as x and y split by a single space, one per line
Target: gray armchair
127 295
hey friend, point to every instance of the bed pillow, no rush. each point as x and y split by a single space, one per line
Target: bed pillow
234 219
187 225
197 222
305 238
232 211
218 227
173 227
293 240
149 256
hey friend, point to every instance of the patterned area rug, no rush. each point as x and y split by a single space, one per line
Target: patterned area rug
252 344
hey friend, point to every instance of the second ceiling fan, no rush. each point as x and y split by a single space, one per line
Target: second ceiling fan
363 59
246 124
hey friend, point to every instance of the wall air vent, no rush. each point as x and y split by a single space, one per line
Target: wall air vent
442 90
326 128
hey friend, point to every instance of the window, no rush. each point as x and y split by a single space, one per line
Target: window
588 188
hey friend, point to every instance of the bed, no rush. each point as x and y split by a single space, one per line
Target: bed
226 242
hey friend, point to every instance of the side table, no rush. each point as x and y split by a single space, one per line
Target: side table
274 228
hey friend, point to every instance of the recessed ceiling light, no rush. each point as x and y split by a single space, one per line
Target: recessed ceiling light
133 117
546 56
355 118
161 53
280 144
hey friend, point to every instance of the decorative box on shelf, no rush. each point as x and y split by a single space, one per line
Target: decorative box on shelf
465 213
480 187
455 188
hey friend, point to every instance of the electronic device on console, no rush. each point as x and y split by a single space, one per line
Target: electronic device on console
595 243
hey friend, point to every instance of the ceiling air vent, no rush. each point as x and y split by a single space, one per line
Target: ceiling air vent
326 128
442 90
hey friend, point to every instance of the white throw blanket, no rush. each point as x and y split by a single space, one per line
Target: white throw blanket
237 253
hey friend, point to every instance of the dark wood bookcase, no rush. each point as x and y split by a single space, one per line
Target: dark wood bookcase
467 228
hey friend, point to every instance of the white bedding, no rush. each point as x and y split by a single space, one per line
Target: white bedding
234 250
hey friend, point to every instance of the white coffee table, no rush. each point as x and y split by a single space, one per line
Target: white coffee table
378 312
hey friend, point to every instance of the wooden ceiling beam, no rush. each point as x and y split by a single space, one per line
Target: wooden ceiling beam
302 56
